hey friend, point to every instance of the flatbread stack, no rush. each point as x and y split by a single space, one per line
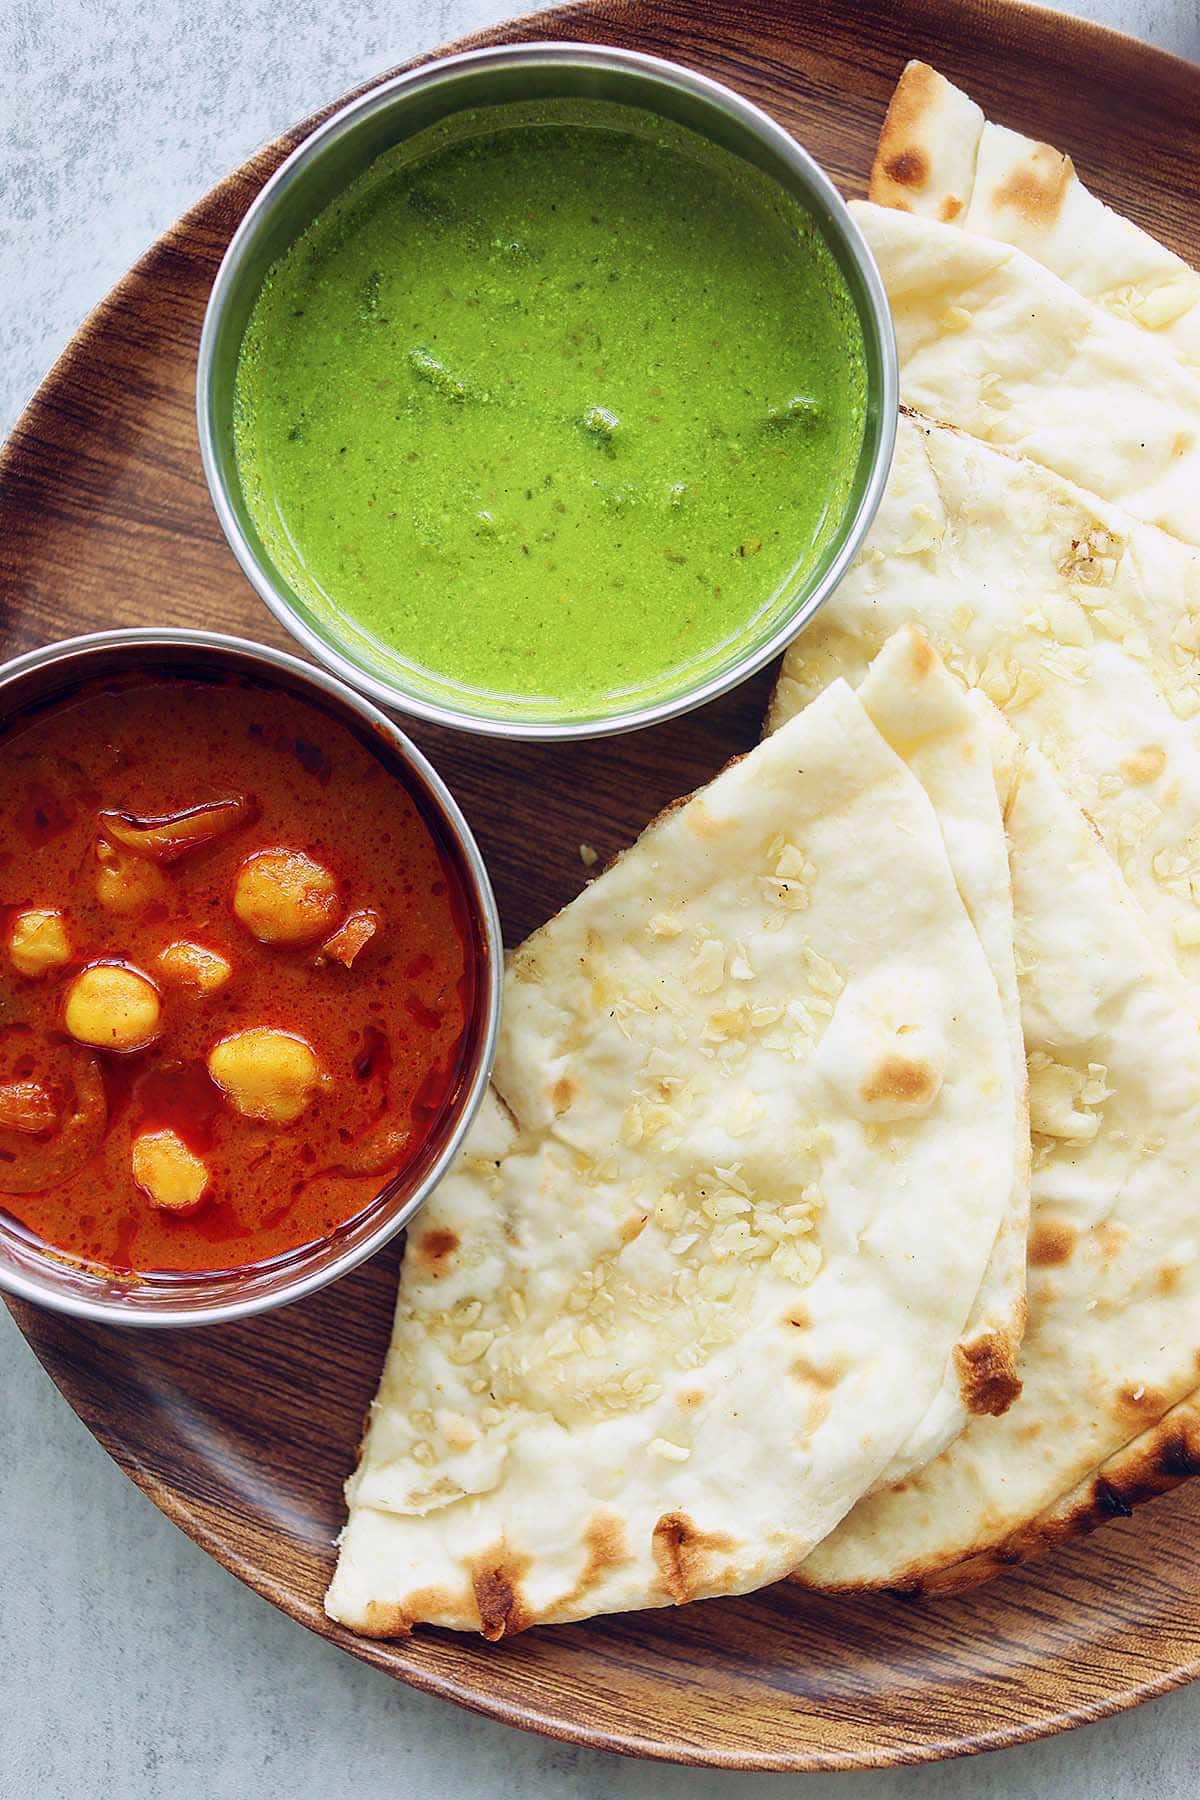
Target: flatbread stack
832 1213
700 1276
1073 612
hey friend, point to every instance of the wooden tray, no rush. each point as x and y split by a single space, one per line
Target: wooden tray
242 1434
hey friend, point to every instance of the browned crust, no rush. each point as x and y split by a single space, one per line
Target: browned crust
494 1604
1145 765
607 1548
1051 1243
434 1248
1138 1408
1036 188
382 1620
987 1375
496 1578
680 1553
1150 1464
901 165
898 1078
562 1094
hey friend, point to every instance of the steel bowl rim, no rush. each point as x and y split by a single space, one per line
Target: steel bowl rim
379 98
19 1285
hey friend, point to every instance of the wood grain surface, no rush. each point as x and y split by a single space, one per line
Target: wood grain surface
243 1434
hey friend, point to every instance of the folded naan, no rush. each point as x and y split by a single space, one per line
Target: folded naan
697 1280
1081 624
1113 1341
938 156
995 343
927 720
1078 618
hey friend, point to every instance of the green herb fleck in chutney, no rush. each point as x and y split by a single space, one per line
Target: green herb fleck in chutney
556 405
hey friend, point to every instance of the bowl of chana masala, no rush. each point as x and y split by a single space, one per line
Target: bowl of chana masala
249 977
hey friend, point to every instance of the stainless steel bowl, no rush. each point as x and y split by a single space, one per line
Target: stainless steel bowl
338 151
33 1273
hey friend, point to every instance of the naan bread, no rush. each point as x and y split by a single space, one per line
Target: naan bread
655 1337
939 157
994 343
925 158
1114 1252
1080 623
926 719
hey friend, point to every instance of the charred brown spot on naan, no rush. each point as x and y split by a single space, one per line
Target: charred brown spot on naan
949 208
633 1227
1110 1238
987 1376
823 1382
689 1399
1139 1406
435 1248
798 1318
899 157
607 1549
1145 765
382 1620
1037 187
824 1377
1051 1243
495 1580
1168 1278
912 1083
681 1552
562 1094
1153 1463
909 168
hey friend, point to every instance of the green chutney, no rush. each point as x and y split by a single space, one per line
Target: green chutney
552 411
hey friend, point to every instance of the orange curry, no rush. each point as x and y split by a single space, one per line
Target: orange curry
236 973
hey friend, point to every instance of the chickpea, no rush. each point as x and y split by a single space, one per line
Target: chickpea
284 897
167 1172
38 941
266 1074
127 884
113 1007
192 965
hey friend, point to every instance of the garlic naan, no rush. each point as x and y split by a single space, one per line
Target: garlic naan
674 1312
1113 1342
938 156
1079 623
993 342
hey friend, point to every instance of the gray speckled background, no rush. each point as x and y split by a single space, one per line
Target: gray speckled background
130 1665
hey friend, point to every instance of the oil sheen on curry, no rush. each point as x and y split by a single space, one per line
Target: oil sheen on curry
556 407
236 974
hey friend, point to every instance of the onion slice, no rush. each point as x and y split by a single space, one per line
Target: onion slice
169 836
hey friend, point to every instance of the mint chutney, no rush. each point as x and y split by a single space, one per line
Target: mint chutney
554 408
